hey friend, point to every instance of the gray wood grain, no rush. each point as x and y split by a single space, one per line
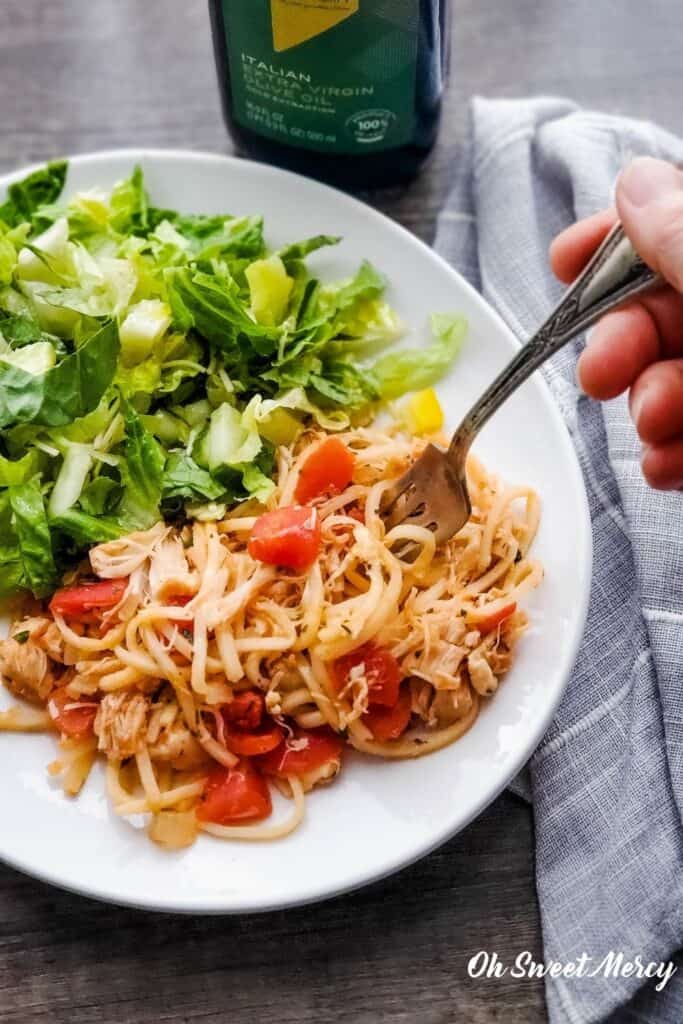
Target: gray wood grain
396 952
86 74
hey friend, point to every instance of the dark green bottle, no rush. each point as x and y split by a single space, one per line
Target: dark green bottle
348 91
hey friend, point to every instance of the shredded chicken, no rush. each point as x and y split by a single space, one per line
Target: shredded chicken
177 745
27 670
35 626
356 691
118 558
441 708
121 724
449 706
52 642
481 674
169 574
438 651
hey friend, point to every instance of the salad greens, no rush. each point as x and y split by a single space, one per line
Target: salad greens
151 362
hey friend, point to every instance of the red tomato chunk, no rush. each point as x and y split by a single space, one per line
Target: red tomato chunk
380 669
234 796
327 470
73 601
289 537
389 723
305 751
73 716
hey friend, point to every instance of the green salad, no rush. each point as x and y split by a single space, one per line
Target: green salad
151 362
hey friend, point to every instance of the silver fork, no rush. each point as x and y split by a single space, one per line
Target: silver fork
433 493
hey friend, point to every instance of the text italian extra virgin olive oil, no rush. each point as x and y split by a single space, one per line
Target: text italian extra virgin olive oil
344 90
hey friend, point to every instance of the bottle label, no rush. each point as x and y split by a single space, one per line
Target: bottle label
327 75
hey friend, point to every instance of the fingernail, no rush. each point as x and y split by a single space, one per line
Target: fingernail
647 179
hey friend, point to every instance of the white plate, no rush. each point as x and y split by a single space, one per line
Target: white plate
378 816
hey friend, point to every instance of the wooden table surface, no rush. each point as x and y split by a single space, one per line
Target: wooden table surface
81 75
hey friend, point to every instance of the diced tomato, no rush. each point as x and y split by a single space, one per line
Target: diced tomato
73 716
235 795
245 710
327 470
389 723
287 536
250 744
381 671
293 757
86 597
492 621
247 730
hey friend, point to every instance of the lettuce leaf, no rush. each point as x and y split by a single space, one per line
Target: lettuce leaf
85 529
412 369
29 521
298 251
215 237
19 329
211 304
183 478
129 204
99 496
19 471
26 197
142 469
70 389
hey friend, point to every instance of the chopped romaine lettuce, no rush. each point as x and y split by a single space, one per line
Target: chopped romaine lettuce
66 391
25 198
420 367
30 526
144 325
269 289
151 361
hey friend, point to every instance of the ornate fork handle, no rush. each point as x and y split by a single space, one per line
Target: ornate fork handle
614 274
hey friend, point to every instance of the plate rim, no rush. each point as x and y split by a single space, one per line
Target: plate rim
319 893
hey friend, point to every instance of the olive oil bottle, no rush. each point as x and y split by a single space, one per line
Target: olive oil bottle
348 91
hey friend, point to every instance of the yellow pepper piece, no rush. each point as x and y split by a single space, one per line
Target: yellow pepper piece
423 412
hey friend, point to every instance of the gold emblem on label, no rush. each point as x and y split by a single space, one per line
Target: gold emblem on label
295 21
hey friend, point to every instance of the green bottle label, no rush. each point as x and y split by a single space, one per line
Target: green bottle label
330 75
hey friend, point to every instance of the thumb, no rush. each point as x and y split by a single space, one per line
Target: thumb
650 204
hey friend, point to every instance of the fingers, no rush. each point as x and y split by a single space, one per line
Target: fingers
621 346
656 402
663 466
650 204
639 347
624 342
574 246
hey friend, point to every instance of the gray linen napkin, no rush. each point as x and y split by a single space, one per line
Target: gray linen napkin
607 780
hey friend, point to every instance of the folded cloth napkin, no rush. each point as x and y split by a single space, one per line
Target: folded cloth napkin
607 780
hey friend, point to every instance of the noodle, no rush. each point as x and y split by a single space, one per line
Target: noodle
165 684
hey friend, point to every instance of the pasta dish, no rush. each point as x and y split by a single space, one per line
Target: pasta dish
210 661
190 513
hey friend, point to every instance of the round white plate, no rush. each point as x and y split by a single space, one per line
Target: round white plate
377 816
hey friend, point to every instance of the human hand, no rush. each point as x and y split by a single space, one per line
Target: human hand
639 347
